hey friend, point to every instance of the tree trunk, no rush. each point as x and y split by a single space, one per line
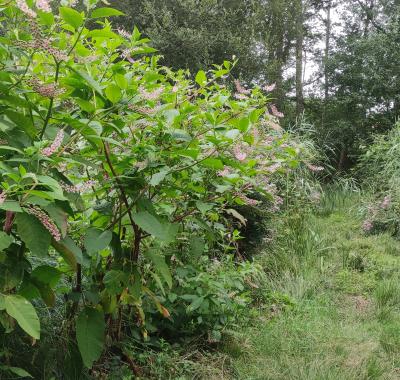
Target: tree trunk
299 57
328 24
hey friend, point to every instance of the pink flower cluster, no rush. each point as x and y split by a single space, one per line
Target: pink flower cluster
46 221
240 89
269 88
275 111
124 33
43 5
3 197
80 188
367 225
225 172
47 90
239 153
385 204
277 203
41 43
55 145
23 6
314 168
153 95
248 201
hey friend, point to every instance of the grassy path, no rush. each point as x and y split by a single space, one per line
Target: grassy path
336 310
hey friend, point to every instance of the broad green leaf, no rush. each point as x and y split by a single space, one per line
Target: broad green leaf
113 93
47 275
115 281
213 163
96 240
105 12
24 313
201 78
71 17
160 266
197 246
2 302
11 206
47 294
69 251
90 329
195 304
158 177
89 80
33 234
17 371
121 81
46 18
204 207
149 223
5 240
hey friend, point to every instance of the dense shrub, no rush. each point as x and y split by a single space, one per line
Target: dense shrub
120 182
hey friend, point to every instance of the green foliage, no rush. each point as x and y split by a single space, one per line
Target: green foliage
90 329
120 177
24 313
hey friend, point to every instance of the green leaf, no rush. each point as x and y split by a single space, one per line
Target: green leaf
90 328
11 206
204 207
24 313
121 81
33 234
89 80
69 251
213 163
18 371
46 18
159 177
5 240
47 275
197 246
96 240
71 17
201 78
105 12
149 223
161 266
113 93
195 304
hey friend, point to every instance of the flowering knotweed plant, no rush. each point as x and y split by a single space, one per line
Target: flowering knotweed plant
367 225
145 160
3 197
55 146
46 221
43 5
269 88
275 111
23 6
